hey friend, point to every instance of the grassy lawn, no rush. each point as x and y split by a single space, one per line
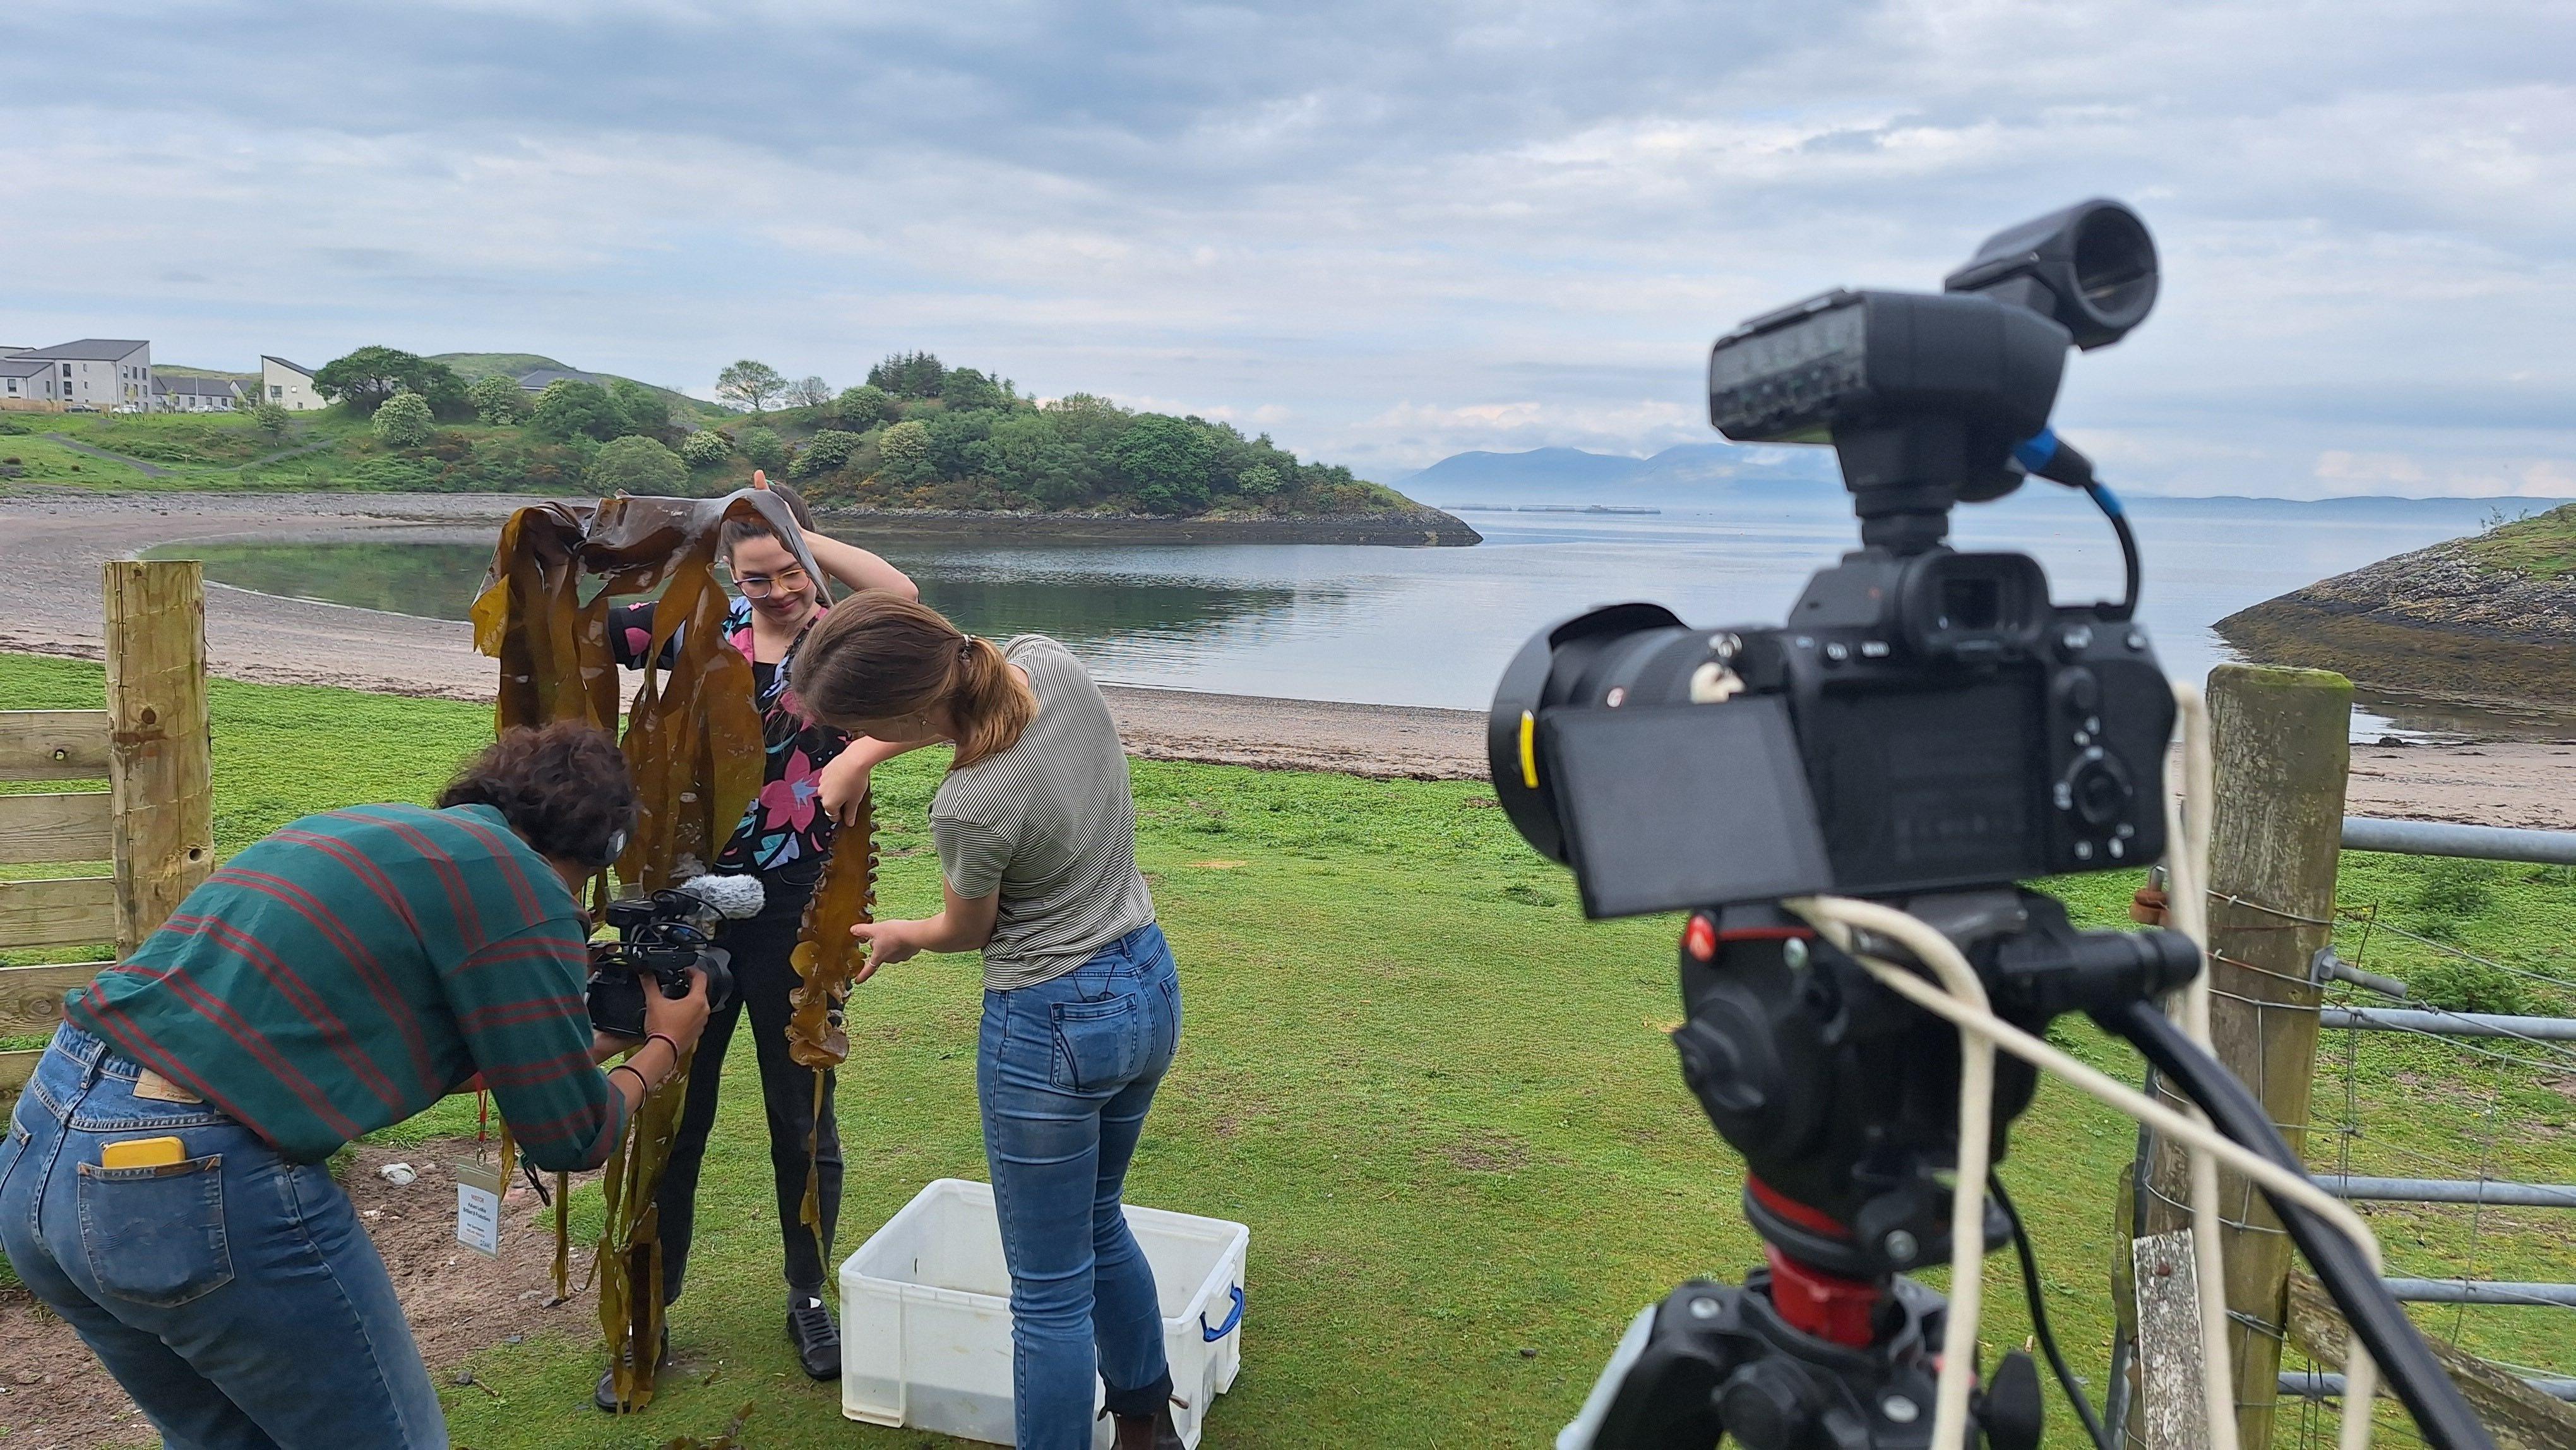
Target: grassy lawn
2543 545
1439 1098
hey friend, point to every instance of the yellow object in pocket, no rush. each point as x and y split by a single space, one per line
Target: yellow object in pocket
142 1153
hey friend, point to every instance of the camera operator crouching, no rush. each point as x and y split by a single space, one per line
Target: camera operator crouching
165 1186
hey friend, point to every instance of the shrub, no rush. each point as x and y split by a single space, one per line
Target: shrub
1259 481
2467 986
824 452
271 419
763 447
905 449
636 465
498 400
705 448
644 410
2448 892
568 409
864 407
403 421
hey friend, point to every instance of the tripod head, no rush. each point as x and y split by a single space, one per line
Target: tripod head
1843 1100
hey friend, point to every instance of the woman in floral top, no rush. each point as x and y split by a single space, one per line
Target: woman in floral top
810 790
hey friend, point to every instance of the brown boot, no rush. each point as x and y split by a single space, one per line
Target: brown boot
1148 1432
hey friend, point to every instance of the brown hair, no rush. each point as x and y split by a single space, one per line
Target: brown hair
876 656
563 787
739 531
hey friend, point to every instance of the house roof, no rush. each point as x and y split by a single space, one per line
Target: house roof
213 387
535 382
90 349
281 362
24 367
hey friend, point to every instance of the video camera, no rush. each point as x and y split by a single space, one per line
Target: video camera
1926 720
662 937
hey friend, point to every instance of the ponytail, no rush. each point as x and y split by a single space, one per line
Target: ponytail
878 657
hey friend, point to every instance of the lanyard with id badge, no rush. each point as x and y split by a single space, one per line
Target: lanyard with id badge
479 1187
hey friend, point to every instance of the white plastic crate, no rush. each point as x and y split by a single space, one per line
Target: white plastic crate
926 1315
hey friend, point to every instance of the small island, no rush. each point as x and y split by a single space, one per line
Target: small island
2488 620
919 448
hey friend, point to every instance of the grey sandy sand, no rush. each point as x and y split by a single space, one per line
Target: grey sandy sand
52 544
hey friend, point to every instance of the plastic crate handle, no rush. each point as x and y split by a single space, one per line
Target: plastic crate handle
1233 1317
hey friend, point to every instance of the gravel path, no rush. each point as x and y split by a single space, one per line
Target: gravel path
56 541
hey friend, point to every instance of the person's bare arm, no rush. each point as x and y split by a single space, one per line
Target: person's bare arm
842 784
859 568
964 924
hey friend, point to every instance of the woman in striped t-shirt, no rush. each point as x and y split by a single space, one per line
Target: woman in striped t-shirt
1036 831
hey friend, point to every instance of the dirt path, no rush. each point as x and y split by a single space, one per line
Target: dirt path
57 540
54 1394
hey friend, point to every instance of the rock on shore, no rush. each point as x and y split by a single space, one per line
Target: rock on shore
2490 619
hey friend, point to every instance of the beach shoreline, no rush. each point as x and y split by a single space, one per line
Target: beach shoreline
49 604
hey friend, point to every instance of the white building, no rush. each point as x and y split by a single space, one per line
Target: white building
108 374
195 395
287 385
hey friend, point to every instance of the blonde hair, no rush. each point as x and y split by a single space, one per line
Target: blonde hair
876 656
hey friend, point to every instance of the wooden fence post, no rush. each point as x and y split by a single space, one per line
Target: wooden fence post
2283 743
160 740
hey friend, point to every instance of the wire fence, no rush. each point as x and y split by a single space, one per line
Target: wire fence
2398 1100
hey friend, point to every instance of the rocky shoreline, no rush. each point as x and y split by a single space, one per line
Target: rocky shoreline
2453 622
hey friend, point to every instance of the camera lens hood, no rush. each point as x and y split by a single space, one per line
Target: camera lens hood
2092 267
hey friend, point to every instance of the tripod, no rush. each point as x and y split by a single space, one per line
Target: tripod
1843 1101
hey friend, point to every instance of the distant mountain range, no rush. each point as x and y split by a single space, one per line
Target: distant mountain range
1713 475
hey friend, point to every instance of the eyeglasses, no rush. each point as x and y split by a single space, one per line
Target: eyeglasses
761 586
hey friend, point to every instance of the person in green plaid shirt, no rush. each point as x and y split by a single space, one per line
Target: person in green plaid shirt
164 1185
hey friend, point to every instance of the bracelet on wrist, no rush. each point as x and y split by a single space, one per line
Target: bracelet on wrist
640 1080
652 1037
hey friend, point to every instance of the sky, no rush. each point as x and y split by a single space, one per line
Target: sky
1381 233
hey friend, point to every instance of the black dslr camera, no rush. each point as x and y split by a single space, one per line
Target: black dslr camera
659 939
1926 719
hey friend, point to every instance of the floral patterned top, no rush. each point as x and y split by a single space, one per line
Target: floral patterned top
786 824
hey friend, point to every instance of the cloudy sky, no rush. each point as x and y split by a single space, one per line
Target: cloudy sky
1381 232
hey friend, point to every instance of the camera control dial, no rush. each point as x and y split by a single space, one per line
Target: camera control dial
2096 789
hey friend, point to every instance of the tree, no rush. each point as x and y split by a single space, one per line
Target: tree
271 419
1028 456
568 409
966 388
403 421
498 400
905 447
809 392
705 448
825 451
1259 481
764 448
636 465
909 375
865 407
751 384
365 378
645 409
1167 461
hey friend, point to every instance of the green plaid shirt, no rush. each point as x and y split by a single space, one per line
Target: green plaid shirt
352 969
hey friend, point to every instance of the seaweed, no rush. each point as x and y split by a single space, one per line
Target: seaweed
827 957
693 743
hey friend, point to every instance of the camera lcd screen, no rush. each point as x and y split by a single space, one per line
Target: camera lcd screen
1671 807
1925 788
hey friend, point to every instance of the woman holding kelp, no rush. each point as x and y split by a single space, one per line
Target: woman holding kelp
783 840
1036 830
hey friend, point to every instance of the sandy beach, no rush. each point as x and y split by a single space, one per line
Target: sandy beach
55 543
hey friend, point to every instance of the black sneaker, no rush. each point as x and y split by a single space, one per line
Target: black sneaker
818 1344
606 1395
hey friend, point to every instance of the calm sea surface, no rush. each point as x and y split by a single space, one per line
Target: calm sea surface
1435 626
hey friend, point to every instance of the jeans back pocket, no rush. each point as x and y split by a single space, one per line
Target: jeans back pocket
156 1235
1099 1044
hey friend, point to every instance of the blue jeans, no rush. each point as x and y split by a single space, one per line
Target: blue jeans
1065 1071
233 1294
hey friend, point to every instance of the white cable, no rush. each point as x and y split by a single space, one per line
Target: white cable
1835 916
2186 881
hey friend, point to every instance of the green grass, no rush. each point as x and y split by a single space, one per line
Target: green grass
1441 1100
2542 546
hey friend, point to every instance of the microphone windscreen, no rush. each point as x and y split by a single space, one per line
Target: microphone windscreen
736 898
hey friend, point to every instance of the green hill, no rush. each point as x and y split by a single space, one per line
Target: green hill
472 366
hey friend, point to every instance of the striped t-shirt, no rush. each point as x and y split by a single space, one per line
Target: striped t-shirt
1051 824
350 970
